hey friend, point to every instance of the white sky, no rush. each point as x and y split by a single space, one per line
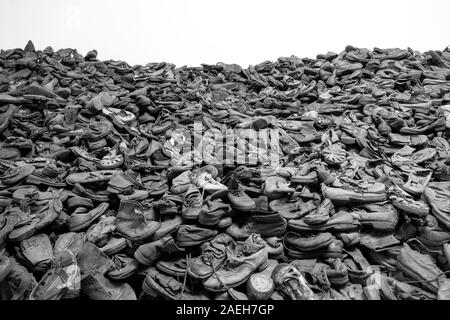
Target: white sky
232 31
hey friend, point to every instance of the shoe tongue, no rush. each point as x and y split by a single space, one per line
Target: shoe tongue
233 184
247 248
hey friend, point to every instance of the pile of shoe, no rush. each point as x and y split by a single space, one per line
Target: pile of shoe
304 179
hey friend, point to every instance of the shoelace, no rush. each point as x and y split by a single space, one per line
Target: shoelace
236 192
188 257
216 268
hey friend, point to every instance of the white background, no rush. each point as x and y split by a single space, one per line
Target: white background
246 32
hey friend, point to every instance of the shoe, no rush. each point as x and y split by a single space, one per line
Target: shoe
276 187
167 227
83 220
147 254
332 250
61 280
436 195
337 272
420 267
359 269
16 174
308 243
123 268
76 202
339 222
181 183
91 177
413 141
431 234
215 212
5 267
101 196
190 235
333 154
175 266
18 284
37 252
71 241
205 181
291 283
114 245
321 214
157 284
192 204
275 247
417 182
406 203
43 217
92 260
168 205
100 232
42 177
271 225
238 198
212 257
362 192
294 208
260 286
121 183
305 175
131 222
383 218
242 260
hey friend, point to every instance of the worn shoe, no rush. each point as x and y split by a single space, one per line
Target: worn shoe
190 235
238 198
271 225
242 260
420 267
131 222
362 192
276 187
212 257
156 284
